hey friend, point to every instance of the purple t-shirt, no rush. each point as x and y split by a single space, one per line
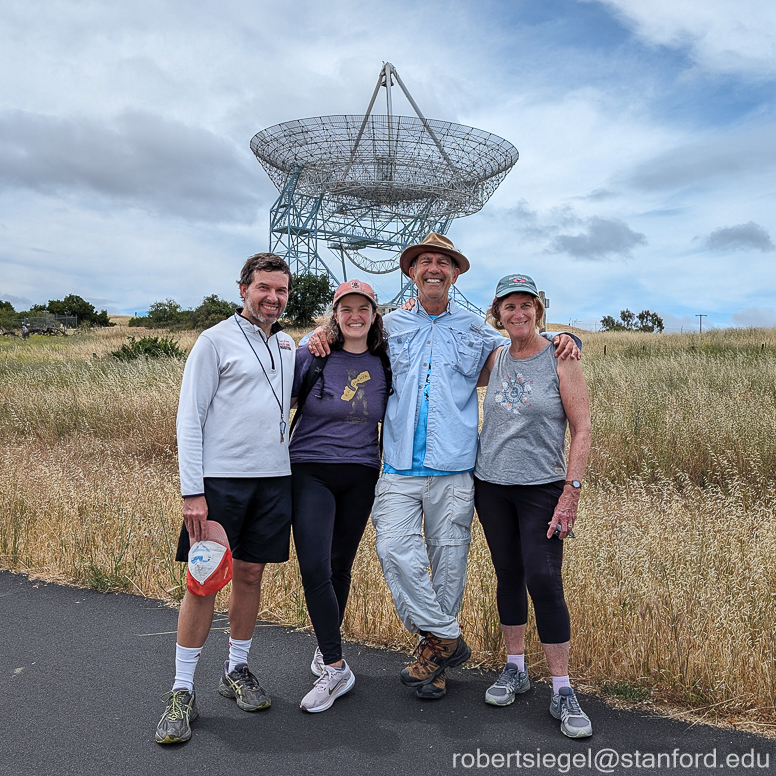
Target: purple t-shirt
341 426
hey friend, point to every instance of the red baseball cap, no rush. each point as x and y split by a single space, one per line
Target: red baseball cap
355 287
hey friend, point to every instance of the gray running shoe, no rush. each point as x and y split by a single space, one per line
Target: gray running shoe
317 665
328 687
511 682
574 723
175 725
244 686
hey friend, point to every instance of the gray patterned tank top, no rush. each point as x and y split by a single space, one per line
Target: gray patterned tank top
523 435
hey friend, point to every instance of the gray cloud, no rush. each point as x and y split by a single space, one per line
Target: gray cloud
531 224
563 217
18 302
750 236
522 214
598 195
604 238
750 152
525 220
159 165
102 303
754 316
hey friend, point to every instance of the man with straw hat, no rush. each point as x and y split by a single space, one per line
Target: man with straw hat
424 500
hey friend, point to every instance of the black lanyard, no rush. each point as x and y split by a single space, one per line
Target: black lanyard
280 358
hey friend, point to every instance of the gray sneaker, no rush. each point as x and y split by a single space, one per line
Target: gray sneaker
574 723
244 686
328 687
511 682
175 725
317 665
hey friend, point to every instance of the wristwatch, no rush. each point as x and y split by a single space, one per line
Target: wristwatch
576 484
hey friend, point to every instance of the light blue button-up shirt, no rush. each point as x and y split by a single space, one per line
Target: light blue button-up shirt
461 342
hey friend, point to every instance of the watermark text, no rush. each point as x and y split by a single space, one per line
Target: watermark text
611 760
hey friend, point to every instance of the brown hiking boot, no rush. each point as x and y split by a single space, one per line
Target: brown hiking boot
434 690
433 655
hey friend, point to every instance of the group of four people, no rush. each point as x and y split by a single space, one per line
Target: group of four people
417 371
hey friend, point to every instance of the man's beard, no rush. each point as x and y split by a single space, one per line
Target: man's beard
258 316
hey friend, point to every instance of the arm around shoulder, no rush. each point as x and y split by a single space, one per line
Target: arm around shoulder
317 342
567 345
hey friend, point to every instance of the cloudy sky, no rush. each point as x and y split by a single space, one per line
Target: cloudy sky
646 131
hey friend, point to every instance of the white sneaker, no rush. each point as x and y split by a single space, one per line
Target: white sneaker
317 665
328 687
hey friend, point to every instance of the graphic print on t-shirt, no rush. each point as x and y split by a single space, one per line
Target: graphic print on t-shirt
355 394
514 394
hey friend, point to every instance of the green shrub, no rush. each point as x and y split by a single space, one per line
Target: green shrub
84 311
149 347
213 310
310 297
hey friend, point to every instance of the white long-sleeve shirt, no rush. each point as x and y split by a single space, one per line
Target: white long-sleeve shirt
228 420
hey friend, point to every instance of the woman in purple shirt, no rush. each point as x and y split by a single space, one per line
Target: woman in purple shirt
335 463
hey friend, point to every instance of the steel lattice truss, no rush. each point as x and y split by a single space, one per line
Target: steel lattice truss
374 182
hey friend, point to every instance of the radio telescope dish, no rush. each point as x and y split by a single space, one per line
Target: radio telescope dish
374 182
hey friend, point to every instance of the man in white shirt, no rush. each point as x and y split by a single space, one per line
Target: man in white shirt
234 468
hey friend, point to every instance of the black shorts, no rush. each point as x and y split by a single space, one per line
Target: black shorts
255 513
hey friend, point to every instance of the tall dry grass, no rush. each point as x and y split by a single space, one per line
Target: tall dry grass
683 408
670 583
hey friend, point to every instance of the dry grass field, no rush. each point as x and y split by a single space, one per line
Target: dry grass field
671 582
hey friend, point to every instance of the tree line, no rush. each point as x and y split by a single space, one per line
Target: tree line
310 296
72 305
645 321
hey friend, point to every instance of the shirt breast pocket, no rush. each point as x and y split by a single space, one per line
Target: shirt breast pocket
468 353
399 352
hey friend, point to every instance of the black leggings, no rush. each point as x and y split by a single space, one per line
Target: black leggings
515 519
332 502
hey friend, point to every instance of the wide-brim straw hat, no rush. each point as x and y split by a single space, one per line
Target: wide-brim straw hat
433 243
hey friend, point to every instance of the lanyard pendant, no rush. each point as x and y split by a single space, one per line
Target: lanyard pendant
282 428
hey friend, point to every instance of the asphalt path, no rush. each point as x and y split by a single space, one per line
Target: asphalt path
82 675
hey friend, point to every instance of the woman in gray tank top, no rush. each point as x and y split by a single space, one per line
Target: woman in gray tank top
525 495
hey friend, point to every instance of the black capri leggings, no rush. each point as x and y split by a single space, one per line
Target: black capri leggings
332 502
515 519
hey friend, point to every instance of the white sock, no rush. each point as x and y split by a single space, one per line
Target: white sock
186 659
238 652
558 682
518 660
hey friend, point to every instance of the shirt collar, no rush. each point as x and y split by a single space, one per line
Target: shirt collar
420 310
